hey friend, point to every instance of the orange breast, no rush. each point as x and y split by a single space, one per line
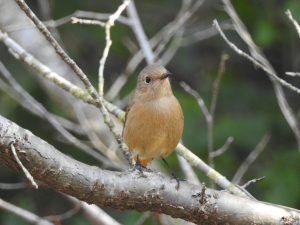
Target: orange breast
153 129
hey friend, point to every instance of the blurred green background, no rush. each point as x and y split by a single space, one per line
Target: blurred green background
247 107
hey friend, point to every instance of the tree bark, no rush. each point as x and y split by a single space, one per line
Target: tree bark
132 190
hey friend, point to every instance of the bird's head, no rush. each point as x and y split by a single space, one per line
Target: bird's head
153 83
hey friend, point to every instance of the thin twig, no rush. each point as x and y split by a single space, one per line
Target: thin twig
27 174
87 21
92 212
260 57
293 74
47 116
84 14
108 25
172 49
91 90
253 181
289 14
251 158
201 200
209 114
246 192
177 24
22 213
223 149
204 34
140 35
243 188
165 33
20 54
18 97
96 142
210 122
217 83
208 171
208 119
256 63
65 215
198 98
6 186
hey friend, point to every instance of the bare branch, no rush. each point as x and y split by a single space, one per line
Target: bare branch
88 22
172 49
65 215
198 98
91 90
204 34
14 186
260 57
54 77
293 74
209 115
217 83
27 174
108 25
253 181
140 35
289 14
223 149
208 171
164 34
22 213
36 106
179 23
210 122
93 212
188 171
84 14
256 63
251 158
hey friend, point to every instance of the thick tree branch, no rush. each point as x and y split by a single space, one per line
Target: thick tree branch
131 190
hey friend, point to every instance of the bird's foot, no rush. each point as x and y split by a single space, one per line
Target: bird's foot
177 179
139 166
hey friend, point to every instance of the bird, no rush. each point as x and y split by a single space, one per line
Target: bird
154 119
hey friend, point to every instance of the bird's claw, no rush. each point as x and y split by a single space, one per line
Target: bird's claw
177 179
139 166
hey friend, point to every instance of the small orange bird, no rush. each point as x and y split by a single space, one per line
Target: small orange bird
154 119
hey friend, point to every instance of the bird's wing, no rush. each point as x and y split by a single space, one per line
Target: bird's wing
126 113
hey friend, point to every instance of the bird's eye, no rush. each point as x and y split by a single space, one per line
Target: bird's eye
148 80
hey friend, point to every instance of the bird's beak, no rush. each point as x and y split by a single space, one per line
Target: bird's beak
165 75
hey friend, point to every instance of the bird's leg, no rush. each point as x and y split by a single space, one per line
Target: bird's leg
138 164
173 174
